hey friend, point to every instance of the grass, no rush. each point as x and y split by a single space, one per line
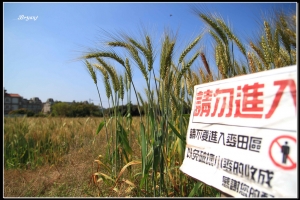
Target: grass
69 173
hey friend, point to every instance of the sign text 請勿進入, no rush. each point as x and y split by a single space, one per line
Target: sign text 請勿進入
242 134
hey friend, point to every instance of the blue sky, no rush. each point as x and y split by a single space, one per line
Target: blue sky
40 55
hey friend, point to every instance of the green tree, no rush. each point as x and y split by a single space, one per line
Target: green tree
61 109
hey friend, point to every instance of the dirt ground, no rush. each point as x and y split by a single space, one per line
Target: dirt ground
70 178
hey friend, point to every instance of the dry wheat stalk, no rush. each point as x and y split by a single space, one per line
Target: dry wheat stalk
260 54
203 58
203 77
285 57
251 63
267 55
268 34
257 62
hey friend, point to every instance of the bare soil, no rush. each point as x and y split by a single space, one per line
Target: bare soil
70 178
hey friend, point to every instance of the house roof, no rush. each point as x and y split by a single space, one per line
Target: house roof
13 95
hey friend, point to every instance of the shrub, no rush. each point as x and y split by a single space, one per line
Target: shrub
22 111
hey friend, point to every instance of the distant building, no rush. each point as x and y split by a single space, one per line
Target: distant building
34 104
15 102
47 106
12 102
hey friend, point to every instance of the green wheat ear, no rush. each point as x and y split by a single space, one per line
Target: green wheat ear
166 56
189 48
91 71
105 80
149 55
121 87
231 36
112 72
135 55
212 23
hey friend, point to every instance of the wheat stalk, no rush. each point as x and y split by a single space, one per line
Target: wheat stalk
217 56
149 54
166 56
215 26
117 44
215 37
251 63
203 77
168 59
137 59
266 51
112 72
102 70
203 58
285 57
257 62
224 61
121 93
105 54
107 87
91 71
105 79
231 36
276 43
189 48
238 69
294 56
260 54
186 67
268 34
128 70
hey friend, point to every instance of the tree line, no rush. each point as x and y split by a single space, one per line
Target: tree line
79 109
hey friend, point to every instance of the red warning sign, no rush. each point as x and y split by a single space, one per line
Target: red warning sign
280 150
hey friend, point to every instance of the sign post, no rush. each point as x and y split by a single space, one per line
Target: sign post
242 134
